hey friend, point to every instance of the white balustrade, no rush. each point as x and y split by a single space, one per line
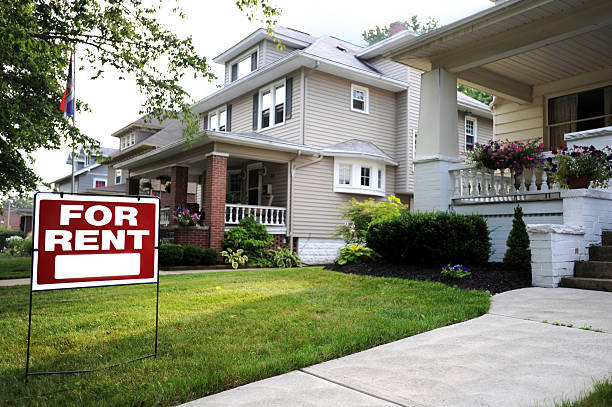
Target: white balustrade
164 216
266 215
470 184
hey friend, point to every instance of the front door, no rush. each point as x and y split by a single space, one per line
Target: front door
254 186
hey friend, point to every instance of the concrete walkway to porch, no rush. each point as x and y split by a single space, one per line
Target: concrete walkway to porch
508 357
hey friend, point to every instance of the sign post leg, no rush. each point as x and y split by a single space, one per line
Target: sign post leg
29 335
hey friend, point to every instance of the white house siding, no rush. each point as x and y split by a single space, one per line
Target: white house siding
391 69
484 130
403 143
329 119
242 114
277 177
316 208
270 53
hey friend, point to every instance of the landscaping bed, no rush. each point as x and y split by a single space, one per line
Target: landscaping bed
494 277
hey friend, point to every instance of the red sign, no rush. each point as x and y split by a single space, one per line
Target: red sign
92 240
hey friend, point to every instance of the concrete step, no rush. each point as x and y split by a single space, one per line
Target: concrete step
593 269
606 238
599 284
600 253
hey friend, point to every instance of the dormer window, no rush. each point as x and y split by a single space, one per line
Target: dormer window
243 66
128 141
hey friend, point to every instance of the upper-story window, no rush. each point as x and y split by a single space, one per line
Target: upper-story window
217 119
590 109
117 177
243 65
272 105
360 99
470 132
128 140
359 176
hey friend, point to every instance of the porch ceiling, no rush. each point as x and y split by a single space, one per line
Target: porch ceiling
516 45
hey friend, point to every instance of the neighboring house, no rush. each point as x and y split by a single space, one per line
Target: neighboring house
294 134
139 137
89 173
549 66
16 219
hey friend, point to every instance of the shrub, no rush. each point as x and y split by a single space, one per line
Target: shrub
249 235
356 254
170 254
457 271
235 258
359 215
284 258
26 245
209 257
192 255
431 238
518 254
4 234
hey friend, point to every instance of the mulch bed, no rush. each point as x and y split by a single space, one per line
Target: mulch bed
495 277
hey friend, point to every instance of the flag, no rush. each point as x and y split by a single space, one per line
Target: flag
67 105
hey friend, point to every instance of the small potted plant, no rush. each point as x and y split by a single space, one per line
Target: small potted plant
184 217
580 166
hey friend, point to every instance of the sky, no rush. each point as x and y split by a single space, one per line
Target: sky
216 25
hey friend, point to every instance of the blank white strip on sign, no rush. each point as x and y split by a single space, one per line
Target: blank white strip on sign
97 265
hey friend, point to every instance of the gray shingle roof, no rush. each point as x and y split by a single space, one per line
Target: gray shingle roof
338 51
358 147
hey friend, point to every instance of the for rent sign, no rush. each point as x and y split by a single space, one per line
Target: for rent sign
88 240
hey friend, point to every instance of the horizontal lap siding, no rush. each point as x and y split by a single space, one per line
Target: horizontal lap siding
403 141
484 130
330 120
518 122
271 53
316 208
277 176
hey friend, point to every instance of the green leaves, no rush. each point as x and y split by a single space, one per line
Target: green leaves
413 24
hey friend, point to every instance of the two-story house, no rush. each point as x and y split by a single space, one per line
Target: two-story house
89 173
295 133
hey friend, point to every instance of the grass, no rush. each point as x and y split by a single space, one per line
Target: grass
15 267
601 396
216 331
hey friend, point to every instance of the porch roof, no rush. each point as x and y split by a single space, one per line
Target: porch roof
512 47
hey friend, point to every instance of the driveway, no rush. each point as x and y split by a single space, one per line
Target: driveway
508 357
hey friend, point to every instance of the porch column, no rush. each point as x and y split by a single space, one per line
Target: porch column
132 186
178 186
214 197
437 144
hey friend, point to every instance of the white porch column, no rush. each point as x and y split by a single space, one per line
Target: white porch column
437 143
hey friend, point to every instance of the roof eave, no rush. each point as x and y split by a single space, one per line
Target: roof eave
250 41
348 154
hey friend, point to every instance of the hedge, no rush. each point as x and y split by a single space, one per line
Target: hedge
176 255
431 238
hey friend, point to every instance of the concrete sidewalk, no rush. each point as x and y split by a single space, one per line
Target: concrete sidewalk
509 357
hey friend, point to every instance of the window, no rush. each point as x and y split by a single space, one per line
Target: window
359 176
128 140
117 177
590 109
365 176
344 174
243 66
99 183
360 99
272 97
470 132
217 119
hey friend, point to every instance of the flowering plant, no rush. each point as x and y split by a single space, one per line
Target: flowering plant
184 217
456 271
581 161
499 155
12 249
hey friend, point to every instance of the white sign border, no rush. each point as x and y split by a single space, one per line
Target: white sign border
55 196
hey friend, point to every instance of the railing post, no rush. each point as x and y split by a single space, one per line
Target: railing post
533 186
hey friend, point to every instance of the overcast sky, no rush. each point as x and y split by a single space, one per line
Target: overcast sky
217 25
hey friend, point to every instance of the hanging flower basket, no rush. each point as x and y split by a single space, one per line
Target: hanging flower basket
501 155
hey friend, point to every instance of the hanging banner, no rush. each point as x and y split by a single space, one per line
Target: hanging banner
94 240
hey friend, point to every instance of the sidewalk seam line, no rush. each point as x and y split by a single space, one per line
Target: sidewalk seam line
548 323
354 389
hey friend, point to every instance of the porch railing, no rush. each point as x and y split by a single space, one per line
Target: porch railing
266 215
164 216
469 184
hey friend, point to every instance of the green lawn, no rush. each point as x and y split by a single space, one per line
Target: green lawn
600 396
217 331
15 267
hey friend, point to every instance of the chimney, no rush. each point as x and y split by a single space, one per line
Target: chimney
396 27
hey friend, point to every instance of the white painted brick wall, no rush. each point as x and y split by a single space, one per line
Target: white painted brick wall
319 250
590 209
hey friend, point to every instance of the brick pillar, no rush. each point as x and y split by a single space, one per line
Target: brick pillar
214 198
178 187
132 186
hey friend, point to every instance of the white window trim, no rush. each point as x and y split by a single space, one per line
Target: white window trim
239 59
127 141
99 179
465 120
217 112
120 177
366 93
355 186
271 87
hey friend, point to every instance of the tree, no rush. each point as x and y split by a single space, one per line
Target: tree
518 253
37 39
380 33
413 23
